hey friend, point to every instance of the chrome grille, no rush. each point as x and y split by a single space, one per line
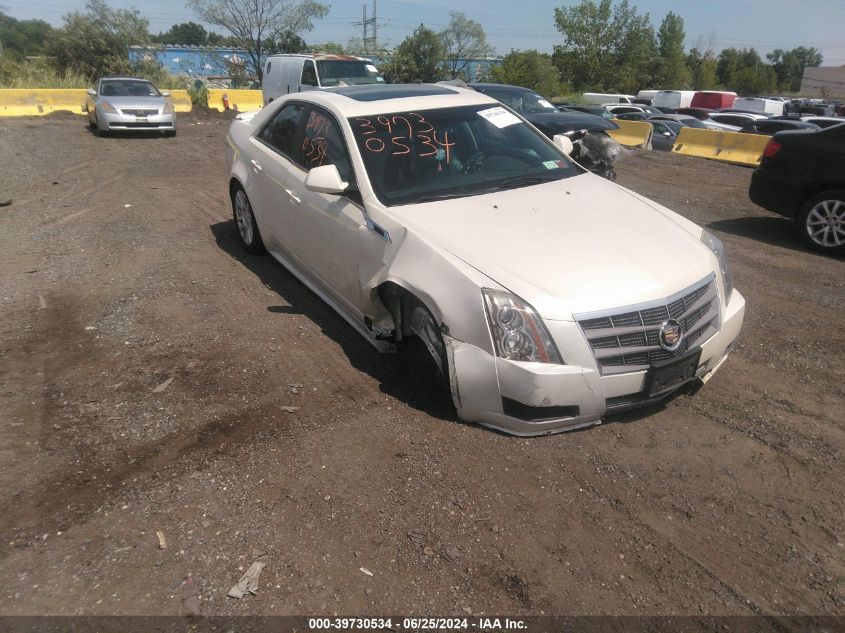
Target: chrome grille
627 340
139 112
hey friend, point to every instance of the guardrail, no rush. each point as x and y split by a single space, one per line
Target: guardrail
729 147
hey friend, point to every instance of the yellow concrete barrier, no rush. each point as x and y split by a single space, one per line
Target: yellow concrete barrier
240 100
730 147
41 101
632 133
181 100
36 101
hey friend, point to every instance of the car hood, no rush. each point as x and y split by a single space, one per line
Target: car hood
567 121
568 247
136 103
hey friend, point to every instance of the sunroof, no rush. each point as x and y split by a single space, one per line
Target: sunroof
377 93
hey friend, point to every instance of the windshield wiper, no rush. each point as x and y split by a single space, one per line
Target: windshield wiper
523 181
442 196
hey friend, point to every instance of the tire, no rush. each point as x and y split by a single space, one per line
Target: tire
169 133
97 129
424 325
821 222
245 223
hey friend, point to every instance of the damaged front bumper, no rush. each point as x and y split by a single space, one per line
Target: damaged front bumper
525 399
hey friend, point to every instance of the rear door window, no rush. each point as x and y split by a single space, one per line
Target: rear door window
323 144
284 132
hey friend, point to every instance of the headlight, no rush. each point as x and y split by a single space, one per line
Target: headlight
107 107
715 245
168 107
518 331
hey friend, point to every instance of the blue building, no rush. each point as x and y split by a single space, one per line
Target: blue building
202 62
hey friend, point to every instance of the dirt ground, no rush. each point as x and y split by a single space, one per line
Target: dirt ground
145 360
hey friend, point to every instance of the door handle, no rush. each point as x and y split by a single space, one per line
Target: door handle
293 196
258 169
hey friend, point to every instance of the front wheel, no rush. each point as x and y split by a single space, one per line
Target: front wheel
99 131
821 222
245 222
425 327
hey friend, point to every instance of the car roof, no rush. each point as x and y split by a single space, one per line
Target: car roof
381 99
321 57
504 87
124 78
672 117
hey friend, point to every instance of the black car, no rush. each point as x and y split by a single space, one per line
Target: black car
595 110
772 126
698 113
592 147
541 113
802 176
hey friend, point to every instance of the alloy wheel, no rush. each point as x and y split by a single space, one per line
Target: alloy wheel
825 223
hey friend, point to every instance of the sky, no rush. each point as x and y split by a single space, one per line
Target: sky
529 24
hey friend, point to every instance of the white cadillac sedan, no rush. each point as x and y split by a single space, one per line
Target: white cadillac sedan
547 296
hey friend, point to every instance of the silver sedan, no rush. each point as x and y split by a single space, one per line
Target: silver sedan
129 104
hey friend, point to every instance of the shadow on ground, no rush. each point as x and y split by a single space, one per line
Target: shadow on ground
408 376
776 231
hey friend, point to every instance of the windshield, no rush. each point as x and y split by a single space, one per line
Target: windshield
523 101
351 72
454 152
128 88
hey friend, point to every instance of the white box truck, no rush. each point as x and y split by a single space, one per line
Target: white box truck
759 104
673 98
286 73
600 98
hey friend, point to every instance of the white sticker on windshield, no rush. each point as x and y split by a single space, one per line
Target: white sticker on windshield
371 68
546 104
499 117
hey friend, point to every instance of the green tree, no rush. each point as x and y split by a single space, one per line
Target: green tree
606 46
96 43
286 42
333 48
672 68
702 69
419 58
252 23
529 69
463 39
789 65
743 71
189 33
19 38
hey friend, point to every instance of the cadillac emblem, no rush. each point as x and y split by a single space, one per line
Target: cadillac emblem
670 336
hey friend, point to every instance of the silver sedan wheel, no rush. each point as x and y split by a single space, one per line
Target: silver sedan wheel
825 223
243 217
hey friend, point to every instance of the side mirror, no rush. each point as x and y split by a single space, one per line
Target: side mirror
92 92
325 179
667 134
165 93
563 143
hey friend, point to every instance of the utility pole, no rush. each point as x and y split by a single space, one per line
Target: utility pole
370 43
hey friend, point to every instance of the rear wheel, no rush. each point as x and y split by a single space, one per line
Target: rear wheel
821 222
245 223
